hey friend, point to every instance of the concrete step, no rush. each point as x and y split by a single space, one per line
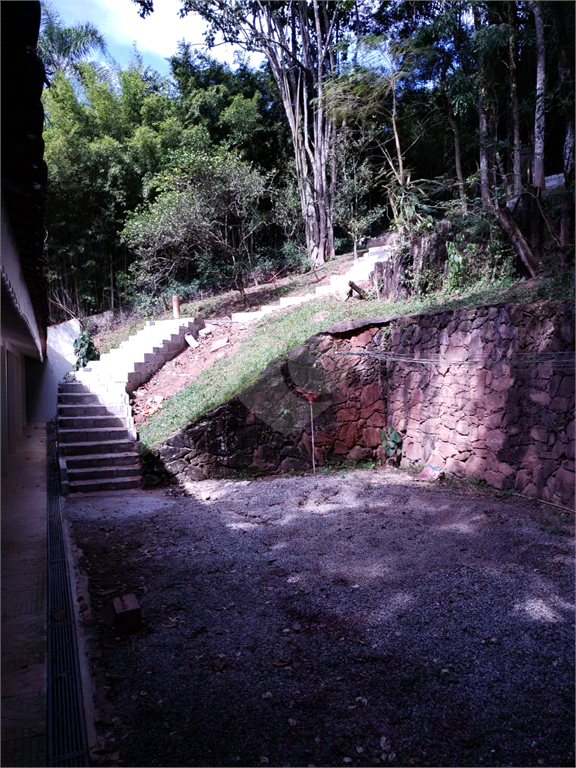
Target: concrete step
92 410
92 435
103 485
290 301
80 398
246 317
268 309
91 460
90 448
78 474
75 387
90 422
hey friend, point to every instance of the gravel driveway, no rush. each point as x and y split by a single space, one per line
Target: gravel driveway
354 618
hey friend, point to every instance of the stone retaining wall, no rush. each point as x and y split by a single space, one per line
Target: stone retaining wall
485 393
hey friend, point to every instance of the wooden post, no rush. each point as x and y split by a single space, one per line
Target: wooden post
176 307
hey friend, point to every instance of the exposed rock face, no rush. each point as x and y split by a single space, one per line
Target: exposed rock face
485 393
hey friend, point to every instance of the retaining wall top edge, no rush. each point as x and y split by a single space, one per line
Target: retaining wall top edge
345 326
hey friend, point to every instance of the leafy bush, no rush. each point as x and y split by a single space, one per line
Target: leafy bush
84 349
392 444
343 245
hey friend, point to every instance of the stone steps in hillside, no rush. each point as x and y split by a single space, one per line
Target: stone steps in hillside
96 441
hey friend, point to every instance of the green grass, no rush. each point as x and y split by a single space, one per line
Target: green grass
276 335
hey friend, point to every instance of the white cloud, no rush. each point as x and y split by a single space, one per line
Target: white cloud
158 34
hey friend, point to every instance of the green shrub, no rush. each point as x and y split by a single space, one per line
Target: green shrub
84 349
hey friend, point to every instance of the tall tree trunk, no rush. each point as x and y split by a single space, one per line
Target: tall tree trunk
538 178
483 123
512 64
539 113
517 238
458 160
566 71
300 76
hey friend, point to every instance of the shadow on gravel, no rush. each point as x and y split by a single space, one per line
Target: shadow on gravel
354 619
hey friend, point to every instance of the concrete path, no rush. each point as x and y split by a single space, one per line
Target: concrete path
24 602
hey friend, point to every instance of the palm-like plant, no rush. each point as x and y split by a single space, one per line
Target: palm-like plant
63 49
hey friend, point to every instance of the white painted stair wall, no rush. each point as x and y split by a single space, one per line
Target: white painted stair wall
96 432
338 286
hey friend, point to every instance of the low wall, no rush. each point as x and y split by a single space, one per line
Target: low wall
485 393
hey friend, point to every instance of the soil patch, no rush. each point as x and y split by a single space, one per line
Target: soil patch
353 618
185 367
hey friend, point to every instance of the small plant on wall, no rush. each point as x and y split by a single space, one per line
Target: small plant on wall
391 445
85 350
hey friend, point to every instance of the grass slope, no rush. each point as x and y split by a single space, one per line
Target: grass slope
275 335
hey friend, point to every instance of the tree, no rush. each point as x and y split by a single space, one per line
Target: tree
105 141
63 48
356 179
539 114
514 106
561 13
207 207
300 41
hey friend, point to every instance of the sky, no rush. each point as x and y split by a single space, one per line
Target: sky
156 36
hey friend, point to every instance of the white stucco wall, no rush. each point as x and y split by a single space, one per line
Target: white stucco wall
60 360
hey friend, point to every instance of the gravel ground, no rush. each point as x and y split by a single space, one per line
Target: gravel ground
354 618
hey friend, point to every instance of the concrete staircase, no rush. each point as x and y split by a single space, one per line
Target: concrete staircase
97 439
96 442
359 272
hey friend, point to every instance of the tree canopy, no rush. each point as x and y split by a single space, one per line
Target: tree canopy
437 120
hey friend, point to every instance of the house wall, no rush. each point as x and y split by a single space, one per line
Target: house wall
484 393
19 342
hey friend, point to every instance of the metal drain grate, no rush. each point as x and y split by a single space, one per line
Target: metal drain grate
67 740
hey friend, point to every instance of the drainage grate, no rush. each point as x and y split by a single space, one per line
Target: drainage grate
67 740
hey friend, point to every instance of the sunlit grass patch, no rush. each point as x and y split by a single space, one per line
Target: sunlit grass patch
275 335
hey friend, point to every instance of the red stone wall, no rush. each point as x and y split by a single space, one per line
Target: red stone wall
486 393
495 403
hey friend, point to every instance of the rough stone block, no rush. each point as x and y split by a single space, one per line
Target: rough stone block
359 454
495 479
175 467
463 428
559 404
363 338
495 440
539 433
169 453
370 395
195 474
127 615
324 438
494 401
238 460
564 485
377 419
446 450
347 414
349 434
456 467
475 466
502 384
